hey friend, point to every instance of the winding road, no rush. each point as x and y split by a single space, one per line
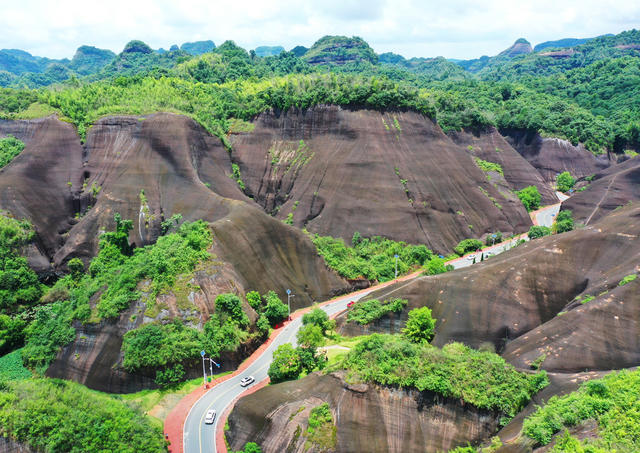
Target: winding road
199 437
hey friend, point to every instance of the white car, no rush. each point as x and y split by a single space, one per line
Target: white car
210 417
246 381
471 257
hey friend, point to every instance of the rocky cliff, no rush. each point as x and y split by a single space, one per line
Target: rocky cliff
368 418
336 171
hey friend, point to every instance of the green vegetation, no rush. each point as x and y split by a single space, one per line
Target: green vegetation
11 367
530 197
321 431
494 238
286 364
467 245
10 147
371 310
420 325
372 258
236 176
250 447
538 231
564 181
113 279
563 222
482 379
61 416
611 401
487 166
320 318
627 279
437 265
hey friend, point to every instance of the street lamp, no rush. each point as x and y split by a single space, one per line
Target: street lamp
493 236
396 257
204 371
289 296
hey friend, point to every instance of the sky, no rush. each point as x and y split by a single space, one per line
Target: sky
453 28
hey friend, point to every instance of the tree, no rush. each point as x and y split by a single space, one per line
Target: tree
232 305
565 181
538 231
564 222
530 198
310 336
254 300
76 268
275 311
320 318
286 364
420 325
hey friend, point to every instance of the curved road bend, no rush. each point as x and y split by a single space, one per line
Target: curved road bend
200 438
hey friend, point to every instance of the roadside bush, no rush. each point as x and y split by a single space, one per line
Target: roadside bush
467 245
437 266
494 238
254 300
563 222
538 231
371 258
371 310
564 181
286 364
530 198
320 318
170 377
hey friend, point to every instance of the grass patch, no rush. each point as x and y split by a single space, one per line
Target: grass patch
371 310
487 166
627 279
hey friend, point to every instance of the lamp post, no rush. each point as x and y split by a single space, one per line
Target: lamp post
204 371
493 236
289 296
396 257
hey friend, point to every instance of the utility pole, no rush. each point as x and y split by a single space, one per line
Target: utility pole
396 257
204 371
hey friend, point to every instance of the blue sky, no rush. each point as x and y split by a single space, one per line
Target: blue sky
452 28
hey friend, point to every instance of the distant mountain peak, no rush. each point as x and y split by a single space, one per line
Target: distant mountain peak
520 47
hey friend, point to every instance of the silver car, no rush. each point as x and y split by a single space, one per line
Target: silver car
246 381
210 417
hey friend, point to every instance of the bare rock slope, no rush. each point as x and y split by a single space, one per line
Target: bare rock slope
337 171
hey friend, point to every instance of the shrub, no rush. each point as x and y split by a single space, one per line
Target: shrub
467 245
611 401
530 198
420 325
480 378
494 238
563 222
538 231
371 310
564 181
10 147
231 305
320 318
627 279
62 416
437 266
170 377
487 166
254 300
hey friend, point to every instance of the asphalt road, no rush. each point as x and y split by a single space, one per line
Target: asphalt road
200 438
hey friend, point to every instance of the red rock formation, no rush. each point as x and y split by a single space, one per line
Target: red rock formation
368 418
395 174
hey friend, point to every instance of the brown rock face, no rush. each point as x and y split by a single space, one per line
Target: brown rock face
170 158
396 174
514 299
551 156
368 418
610 189
518 172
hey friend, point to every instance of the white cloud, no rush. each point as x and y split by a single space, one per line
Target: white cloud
455 28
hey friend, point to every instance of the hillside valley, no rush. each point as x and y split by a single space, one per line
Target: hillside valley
407 254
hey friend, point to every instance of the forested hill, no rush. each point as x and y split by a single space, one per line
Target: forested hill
595 103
